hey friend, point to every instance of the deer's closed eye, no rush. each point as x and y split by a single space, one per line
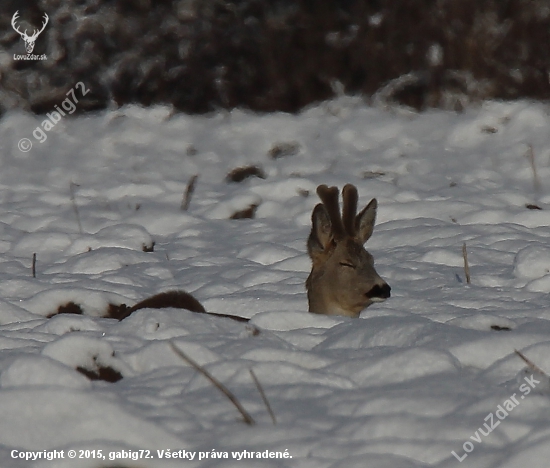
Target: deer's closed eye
347 264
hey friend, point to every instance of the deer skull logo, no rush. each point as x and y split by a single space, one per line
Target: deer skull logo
29 40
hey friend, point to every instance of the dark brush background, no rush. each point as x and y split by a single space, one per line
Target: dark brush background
278 55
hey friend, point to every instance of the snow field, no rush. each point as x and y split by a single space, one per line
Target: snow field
403 386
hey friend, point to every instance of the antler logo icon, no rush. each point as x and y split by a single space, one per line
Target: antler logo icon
29 40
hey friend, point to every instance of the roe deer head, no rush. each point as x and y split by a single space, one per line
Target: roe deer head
343 280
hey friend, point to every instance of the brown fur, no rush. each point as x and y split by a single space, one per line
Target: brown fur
175 299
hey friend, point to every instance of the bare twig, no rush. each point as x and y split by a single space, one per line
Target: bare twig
34 265
221 387
189 192
72 185
466 265
531 158
530 363
263 395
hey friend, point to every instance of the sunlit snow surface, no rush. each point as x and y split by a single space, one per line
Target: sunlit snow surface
403 386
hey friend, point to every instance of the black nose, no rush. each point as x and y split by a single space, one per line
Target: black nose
382 292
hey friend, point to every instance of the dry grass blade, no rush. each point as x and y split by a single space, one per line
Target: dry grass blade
34 265
263 395
221 387
72 185
466 265
190 189
530 363
531 157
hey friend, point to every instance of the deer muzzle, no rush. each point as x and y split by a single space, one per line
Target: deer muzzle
379 293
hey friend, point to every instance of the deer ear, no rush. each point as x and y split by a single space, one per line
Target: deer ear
321 236
364 221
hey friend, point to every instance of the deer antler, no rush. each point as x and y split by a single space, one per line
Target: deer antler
329 197
46 19
349 210
13 20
